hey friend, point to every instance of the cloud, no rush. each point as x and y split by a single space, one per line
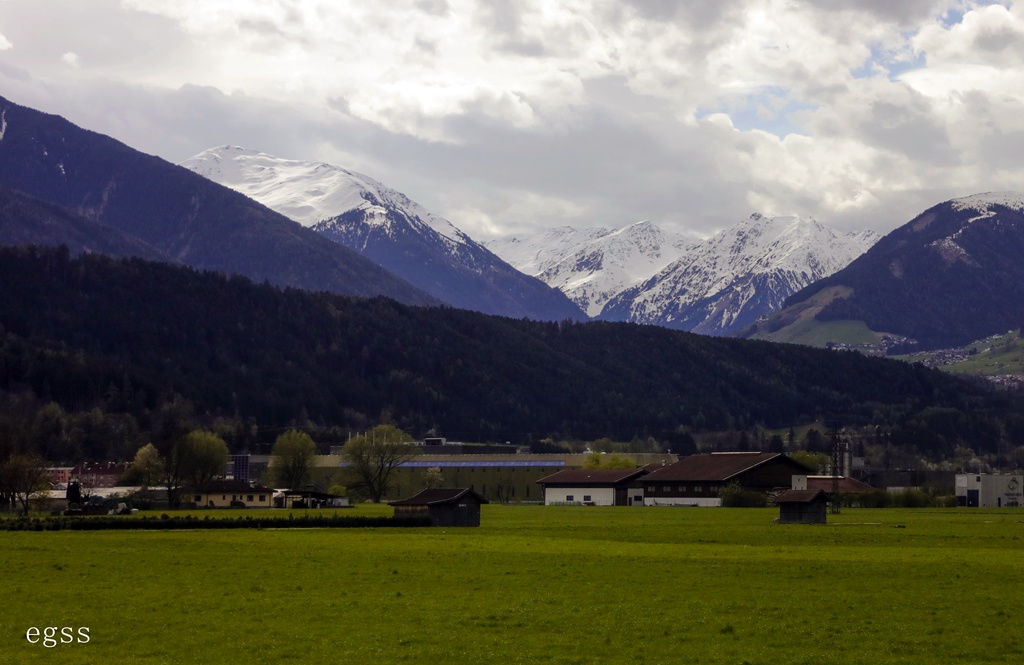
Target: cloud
511 115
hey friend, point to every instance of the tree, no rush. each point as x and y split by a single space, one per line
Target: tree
146 469
204 456
173 423
817 462
597 460
292 458
373 457
433 478
22 477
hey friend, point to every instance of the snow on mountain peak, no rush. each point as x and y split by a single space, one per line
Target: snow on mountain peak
310 192
982 202
593 265
738 273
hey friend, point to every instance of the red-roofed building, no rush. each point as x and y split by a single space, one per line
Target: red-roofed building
99 474
594 487
697 479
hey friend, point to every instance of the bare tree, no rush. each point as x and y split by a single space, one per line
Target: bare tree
23 477
370 459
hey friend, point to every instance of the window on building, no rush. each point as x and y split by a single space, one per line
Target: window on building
570 497
666 489
696 489
586 497
263 497
250 498
198 498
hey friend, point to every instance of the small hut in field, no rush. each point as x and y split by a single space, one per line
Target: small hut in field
444 506
802 507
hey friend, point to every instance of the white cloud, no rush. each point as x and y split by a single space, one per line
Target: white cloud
5 43
508 114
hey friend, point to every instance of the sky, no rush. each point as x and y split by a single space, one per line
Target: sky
511 116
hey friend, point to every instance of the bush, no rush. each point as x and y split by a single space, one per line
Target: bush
734 496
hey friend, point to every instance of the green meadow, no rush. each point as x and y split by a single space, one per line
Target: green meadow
532 585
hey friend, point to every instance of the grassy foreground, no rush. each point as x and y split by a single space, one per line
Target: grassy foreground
532 585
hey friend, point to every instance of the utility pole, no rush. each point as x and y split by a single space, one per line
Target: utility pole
839 448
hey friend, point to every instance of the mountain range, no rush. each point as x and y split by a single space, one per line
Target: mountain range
388 228
738 275
108 188
592 266
716 286
951 275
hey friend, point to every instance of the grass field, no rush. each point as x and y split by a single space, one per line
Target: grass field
532 585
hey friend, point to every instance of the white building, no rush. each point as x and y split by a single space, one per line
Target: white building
986 490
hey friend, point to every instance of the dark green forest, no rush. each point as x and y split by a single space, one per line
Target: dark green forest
99 355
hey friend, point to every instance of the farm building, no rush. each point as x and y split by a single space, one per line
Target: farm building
596 487
697 479
802 507
987 490
444 507
498 477
846 485
228 493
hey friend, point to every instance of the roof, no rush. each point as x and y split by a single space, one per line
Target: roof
439 496
846 485
312 494
591 477
802 496
229 486
719 467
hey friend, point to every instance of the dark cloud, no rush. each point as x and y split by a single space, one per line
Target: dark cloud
901 12
910 129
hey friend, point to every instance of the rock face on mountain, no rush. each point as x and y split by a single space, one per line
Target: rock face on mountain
388 228
727 282
953 274
177 213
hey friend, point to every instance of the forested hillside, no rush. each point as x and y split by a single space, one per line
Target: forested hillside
139 339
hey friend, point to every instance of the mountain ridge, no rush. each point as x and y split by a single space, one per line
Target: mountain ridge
180 214
387 227
950 275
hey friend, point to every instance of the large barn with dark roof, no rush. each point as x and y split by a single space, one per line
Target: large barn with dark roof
697 479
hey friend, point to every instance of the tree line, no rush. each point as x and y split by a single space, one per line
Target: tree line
122 347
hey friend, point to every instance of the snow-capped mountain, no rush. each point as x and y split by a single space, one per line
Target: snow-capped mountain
387 227
593 265
951 275
535 254
122 201
730 280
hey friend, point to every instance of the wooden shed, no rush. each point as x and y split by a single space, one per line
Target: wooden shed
444 507
802 507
